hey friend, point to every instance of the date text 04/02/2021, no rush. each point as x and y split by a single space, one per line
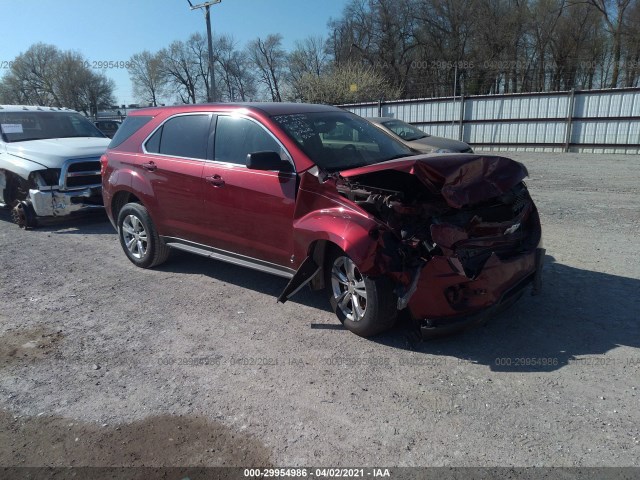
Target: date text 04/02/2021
317 472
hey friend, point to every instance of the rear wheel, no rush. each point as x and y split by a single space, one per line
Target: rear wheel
139 238
365 305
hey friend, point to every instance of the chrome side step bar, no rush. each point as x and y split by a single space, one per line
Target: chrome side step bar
229 257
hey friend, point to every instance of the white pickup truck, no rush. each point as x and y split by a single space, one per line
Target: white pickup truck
49 162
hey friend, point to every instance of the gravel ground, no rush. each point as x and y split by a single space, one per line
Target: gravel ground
194 363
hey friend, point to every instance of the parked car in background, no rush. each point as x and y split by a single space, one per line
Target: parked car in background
322 197
415 138
108 127
49 162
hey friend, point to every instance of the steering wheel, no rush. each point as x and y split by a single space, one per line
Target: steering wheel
352 151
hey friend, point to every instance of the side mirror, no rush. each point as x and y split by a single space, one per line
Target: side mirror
267 161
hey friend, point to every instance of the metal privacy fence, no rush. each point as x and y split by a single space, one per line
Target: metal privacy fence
590 121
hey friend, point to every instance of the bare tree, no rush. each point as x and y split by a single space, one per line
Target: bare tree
269 58
45 75
380 34
199 51
234 70
147 76
346 83
182 70
32 75
631 55
244 82
544 17
98 91
308 58
577 46
613 12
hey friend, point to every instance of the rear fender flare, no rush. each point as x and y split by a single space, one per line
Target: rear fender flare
138 185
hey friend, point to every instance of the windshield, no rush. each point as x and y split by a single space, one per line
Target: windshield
340 140
38 125
404 130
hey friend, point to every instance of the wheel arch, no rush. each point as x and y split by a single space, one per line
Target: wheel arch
318 234
120 199
354 234
10 182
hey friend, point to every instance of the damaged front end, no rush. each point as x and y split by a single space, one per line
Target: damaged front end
53 192
73 188
459 235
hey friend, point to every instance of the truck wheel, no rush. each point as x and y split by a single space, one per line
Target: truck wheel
139 238
24 215
15 197
365 305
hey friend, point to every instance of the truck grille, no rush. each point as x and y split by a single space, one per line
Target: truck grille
80 173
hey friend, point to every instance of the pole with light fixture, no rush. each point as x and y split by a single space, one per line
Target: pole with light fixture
207 17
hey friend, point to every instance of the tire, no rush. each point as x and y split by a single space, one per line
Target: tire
139 238
365 305
23 215
15 198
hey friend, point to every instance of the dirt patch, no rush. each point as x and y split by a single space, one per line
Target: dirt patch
160 441
25 346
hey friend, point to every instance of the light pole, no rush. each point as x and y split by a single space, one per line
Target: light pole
207 18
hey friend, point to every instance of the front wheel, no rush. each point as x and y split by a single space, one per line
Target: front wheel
365 305
24 215
139 238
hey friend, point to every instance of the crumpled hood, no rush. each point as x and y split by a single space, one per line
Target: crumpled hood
461 179
51 153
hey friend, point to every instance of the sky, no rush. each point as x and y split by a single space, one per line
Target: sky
113 30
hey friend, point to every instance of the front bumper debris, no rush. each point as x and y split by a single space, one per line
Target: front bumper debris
506 294
56 203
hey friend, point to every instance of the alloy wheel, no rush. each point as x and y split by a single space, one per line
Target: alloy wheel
135 236
349 289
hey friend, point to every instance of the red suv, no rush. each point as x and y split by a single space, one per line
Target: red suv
322 197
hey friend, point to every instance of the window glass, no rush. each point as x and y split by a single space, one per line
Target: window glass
38 125
336 140
130 126
153 144
405 130
237 137
185 136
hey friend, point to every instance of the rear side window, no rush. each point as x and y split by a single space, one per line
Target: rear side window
130 126
183 136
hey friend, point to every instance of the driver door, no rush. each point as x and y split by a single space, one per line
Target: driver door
248 212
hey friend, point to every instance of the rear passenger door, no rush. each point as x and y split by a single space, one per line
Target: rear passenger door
175 155
248 212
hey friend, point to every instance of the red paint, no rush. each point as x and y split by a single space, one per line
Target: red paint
277 217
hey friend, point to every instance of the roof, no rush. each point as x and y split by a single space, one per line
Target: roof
269 108
32 108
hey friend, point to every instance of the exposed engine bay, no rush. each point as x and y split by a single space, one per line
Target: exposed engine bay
456 237
422 225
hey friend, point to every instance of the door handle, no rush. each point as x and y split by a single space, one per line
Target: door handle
150 166
215 180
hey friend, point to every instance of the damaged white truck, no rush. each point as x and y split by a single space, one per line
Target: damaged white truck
49 163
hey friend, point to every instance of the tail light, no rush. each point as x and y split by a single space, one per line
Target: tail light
103 164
